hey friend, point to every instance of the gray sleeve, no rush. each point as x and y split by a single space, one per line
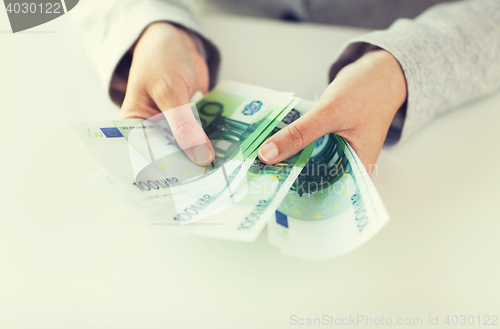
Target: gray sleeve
450 54
111 27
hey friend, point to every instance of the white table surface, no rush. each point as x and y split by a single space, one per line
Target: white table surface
70 258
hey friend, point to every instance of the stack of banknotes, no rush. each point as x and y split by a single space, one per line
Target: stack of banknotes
318 204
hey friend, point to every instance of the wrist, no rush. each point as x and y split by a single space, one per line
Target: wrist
390 73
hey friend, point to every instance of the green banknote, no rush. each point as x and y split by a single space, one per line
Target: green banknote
256 198
143 156
332 207
240 113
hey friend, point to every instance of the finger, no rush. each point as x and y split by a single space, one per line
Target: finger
190 135
186 130
174 103
293 138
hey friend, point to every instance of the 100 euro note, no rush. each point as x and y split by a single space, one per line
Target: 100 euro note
240 112
331 209
258 197
142 155
216 192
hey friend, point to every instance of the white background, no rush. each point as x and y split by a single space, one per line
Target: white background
70 258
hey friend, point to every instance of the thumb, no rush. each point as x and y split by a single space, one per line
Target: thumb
190 135
294 137
186 130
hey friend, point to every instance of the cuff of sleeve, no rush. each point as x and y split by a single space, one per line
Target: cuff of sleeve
128 22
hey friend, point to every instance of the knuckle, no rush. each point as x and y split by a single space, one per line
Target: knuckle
295 137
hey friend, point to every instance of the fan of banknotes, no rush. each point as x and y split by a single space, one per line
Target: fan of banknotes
318 204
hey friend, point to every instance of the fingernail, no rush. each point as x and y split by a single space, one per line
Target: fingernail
268 152
202 154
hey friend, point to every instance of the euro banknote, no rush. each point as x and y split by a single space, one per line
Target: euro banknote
256 198
143 157
331 209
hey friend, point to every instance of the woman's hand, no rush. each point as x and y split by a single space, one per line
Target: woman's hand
358 105
166 71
